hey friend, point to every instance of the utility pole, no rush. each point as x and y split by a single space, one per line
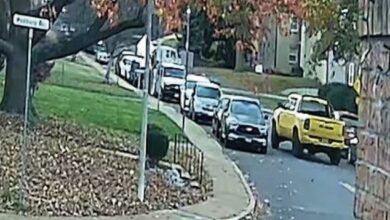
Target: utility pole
144 129
188 12
159 60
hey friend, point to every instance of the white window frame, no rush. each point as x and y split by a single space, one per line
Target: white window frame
293 52
351 74
294 25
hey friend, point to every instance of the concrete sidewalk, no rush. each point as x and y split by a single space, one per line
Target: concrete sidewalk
232 197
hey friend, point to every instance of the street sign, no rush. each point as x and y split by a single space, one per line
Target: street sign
31 22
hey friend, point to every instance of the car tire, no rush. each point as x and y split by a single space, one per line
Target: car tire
335 157
263 150
193 116
275 139
351 157
227 143
297 148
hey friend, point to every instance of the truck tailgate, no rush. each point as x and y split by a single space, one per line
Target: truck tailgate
326 128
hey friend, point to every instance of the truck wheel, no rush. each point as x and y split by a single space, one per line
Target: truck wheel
351 156
275 140
335 157
297 149
311 151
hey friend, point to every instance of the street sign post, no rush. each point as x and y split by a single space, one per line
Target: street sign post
31 23
144 128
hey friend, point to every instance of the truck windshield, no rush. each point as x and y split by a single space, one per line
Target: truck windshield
315 108
207 92
173 72
247 108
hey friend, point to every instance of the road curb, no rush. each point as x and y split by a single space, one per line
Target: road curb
252 201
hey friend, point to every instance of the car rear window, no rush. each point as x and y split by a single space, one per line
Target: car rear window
315 108
208 92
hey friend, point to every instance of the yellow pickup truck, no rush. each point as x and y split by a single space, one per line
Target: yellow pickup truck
309 122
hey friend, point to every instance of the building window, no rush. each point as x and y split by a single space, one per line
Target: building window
294 27
293 56
351 74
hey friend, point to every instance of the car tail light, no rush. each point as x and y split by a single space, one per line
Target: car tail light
306 124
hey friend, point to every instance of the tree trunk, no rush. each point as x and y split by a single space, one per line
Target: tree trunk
15 83
109 67
240 62
15 78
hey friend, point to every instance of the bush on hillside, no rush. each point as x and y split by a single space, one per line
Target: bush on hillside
157 143
341 96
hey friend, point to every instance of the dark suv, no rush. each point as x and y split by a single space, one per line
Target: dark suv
243 123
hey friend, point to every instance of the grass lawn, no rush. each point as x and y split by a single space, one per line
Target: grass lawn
96 109
273 84
80 96
83 77
269 103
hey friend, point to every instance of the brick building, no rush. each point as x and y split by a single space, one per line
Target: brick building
372 199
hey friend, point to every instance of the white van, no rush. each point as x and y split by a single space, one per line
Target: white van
166 54
204 101
187 90
167 81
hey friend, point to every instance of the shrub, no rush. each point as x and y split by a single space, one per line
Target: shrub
157 143
341 96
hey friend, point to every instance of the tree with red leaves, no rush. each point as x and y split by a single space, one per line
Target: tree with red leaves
244 21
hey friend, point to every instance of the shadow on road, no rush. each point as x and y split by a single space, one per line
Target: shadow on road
308 157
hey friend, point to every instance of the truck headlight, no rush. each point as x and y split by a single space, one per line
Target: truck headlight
232 124
197 105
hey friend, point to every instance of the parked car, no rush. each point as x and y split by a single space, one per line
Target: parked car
243 124
126 64
310 123
102 56
352 124
204 101
167 80
187 90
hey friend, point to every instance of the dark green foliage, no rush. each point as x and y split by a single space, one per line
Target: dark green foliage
340 35
341 96
157 143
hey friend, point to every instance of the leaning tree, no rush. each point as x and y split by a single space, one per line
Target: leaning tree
110 17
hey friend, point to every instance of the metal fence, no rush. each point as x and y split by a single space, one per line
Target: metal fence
189 156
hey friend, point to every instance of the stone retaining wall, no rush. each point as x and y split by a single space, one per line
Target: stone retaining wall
372 200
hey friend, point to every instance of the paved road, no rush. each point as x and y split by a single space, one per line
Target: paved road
299 189
309 189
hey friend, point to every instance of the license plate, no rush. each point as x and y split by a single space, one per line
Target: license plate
248 140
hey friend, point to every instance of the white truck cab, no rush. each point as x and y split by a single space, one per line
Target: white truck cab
167 79
187 90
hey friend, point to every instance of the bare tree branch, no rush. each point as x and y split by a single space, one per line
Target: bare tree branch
5 47
59 49
55 10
